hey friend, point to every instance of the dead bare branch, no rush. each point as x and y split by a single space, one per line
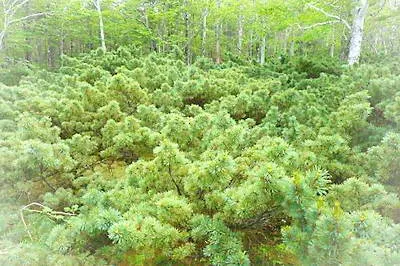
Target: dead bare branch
319 24
27 17
329 15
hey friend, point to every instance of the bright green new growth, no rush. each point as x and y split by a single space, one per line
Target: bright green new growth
144 160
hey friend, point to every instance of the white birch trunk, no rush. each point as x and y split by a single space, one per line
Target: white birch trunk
2 35
11 8
240 34
357 32
101 25
5 25
218 37
262 50
204 32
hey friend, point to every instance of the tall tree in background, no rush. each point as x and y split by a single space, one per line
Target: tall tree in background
97 5
264 26
218 32
13 13
186 16
357 31
204 31
240 32
249 29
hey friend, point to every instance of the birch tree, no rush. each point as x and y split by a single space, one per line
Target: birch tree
356 28
218 35
186 17
264 26
204 31
240 31
97 5
262 49
11 16
357 31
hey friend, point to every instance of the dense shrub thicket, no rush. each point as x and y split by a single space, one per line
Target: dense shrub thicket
145 160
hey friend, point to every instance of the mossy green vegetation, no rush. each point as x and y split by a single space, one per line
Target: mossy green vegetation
145 160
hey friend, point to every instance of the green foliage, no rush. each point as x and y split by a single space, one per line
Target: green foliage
383 160
315 66
13 72
148 161
223 246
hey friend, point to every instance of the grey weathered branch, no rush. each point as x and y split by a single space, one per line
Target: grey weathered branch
329 15
9 11
319 24
13 21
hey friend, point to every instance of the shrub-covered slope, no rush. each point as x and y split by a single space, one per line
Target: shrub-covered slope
144 160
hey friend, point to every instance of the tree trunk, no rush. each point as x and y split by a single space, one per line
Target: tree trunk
52 56
357 31
164 35
2 35
3 31
45 59
285 41
25 28
251 45
187 33
331 44
240 33
218 37
292 48
71 47
153 43
101 25
262 50
204 32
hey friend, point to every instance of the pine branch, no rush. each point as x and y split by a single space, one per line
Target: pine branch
173 180
259 221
